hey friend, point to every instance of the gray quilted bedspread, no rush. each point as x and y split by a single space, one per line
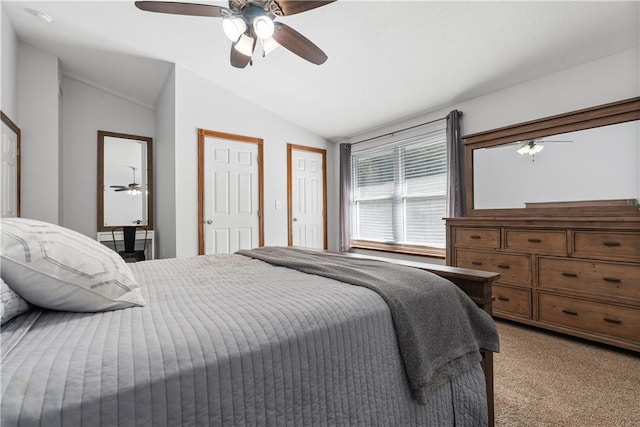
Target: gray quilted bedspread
223 341
440 329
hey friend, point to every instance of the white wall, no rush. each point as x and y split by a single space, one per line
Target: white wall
38 110
9 71
165 170
87 109
203 104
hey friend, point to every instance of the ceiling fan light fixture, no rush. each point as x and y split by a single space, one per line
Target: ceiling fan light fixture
530 147
263 27
244 45
234 27
536 148
269 45
524 148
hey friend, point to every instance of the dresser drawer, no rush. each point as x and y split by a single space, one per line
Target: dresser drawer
536 241
607 245
513 301
590 316
513 269
477 237
615 280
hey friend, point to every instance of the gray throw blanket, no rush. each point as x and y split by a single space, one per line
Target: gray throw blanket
440 329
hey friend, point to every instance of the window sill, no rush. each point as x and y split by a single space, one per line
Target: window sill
398 248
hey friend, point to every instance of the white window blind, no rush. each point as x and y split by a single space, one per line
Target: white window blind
399 191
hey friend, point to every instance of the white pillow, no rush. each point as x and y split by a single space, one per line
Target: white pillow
57 268
11 304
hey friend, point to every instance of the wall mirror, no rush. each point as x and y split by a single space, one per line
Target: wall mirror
579 162
125 177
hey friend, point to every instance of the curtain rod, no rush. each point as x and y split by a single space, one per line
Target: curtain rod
403 130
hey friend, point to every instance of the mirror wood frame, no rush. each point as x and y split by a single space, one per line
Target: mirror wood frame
602 115
100 183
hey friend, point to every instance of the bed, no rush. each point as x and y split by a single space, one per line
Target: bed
226 340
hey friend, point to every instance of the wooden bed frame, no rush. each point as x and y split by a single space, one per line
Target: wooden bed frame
476 284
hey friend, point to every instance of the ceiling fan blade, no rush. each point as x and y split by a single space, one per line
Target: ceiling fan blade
552 140
182 8
117 186
237 5
240 60
291 7
298 44
122 189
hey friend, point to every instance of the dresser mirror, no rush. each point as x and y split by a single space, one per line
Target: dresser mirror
125 177
587 160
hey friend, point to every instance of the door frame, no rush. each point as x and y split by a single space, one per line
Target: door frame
323 152
7 121
202 134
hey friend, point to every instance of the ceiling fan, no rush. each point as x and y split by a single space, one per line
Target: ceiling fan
533 146
246 21
134 188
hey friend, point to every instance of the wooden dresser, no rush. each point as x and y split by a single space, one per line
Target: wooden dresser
576 275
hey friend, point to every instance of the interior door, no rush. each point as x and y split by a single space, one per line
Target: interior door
9 169
232 195
307 196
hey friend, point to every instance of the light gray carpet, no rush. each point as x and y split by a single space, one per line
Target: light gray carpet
547 379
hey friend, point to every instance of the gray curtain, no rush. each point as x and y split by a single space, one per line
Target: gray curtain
345 197
455 166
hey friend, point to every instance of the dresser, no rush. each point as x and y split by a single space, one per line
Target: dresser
575 275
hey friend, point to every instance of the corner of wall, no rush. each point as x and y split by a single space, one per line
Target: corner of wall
9 49
39 119
165 182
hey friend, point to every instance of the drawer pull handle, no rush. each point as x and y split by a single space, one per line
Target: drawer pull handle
501 298
610 320
570 312
566 274
611 244
611 279
476 263
534 240
505 266
475 237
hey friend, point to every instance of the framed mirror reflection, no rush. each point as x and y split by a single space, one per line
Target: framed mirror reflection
593 164
581 162
125 180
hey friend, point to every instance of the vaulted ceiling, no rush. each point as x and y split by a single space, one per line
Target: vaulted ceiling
387 60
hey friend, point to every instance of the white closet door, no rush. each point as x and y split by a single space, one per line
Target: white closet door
231 199
307 188
8 173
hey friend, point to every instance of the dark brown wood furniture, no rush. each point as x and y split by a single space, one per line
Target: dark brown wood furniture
569 267
578 276
476 284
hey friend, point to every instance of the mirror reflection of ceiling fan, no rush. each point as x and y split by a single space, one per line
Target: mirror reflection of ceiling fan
134 188
534 146
246 21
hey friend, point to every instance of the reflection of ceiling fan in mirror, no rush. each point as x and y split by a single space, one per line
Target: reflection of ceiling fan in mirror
246 21
133 189
534 146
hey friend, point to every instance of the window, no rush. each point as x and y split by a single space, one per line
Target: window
399 192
